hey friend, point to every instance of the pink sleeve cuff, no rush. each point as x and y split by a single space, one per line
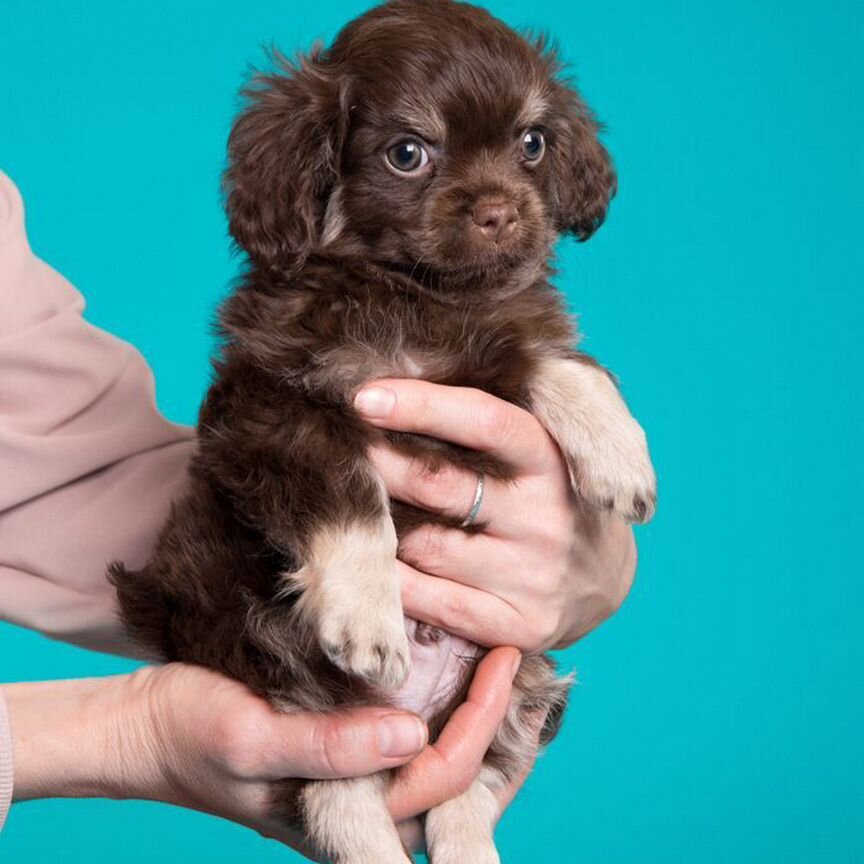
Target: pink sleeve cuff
5 762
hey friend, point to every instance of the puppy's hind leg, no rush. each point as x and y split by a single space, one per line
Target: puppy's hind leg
460 831
349 821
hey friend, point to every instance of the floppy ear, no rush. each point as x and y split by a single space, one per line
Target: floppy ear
283 156
584 177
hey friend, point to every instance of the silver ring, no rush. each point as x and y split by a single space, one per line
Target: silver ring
477 503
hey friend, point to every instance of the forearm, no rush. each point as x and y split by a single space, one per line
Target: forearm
88 465
74 739
54 549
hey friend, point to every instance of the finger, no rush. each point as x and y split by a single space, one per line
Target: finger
471 613
447 489
346 744
476 560
446 768
462 415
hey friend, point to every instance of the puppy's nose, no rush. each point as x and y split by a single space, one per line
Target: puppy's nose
496 218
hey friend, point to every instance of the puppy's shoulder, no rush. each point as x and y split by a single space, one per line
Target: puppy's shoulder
540 315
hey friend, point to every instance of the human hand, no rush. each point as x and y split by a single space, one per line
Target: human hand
248 746
545 571
189 736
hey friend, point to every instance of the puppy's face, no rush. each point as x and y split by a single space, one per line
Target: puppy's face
430 137
447 170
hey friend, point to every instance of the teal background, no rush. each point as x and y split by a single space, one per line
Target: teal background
719 716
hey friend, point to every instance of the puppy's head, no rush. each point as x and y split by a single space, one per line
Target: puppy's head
429 136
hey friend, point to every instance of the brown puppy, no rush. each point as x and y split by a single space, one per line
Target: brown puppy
397 196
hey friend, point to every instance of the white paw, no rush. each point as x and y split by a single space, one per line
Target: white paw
472 853
351 597
615 473
604 446
364 635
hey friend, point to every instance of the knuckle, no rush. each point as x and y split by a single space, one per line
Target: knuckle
423 409
433 482
495 421
428 547
453 611
463 774
238 739
328 746
550 515
529 636
555 528
550 583
530 627
545 629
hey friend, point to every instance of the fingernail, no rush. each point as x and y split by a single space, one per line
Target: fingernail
401 735
517 662
375 402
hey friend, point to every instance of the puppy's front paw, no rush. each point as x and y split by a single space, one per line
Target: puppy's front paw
605 447
365 636
616 473
351 597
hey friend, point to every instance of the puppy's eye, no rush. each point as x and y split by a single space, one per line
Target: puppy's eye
533 145
407 156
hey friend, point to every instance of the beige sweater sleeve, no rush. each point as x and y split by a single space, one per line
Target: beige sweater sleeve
88 465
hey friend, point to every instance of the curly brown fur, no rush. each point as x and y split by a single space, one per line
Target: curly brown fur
358 269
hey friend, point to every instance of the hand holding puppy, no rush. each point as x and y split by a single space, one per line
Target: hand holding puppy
581 564
191 737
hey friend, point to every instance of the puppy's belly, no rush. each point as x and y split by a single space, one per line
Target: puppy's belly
439 661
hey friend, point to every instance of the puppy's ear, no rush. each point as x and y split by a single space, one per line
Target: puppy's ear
584 181
283 159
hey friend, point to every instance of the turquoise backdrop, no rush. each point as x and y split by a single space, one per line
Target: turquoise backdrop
720 714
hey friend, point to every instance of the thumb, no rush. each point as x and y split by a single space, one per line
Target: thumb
343 744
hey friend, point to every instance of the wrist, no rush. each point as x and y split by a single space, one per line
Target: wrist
82 738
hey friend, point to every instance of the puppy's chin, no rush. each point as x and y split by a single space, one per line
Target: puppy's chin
480 254
452 265
490 266
487 278
462 256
